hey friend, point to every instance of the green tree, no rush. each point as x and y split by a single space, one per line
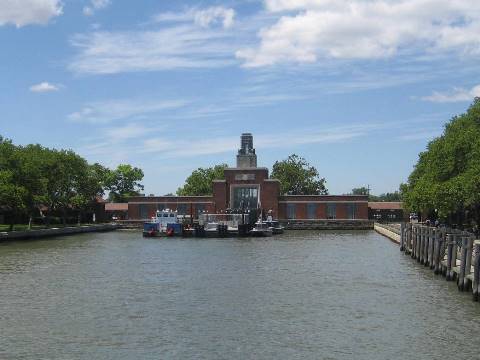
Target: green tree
90 186
123 182
360 191
446 179
200 181
66 174
13 195
394 196
298 177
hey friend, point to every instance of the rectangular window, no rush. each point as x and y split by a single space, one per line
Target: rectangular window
161 207
200 208
143 210
351 211
331 211
311 211
291 210
245 197
182 209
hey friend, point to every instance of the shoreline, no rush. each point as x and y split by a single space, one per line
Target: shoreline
57 231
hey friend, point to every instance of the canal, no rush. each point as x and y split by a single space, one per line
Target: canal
303 295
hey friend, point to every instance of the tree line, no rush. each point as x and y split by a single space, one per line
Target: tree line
36 181
445 182
389 196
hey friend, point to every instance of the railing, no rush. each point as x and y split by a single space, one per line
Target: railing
453 253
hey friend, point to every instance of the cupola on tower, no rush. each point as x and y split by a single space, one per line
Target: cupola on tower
246 157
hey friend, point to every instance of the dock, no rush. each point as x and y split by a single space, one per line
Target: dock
56 231
452 253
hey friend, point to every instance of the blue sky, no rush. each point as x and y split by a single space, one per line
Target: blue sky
357 87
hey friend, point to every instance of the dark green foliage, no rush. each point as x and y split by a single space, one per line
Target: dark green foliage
123 182
446 179
200 181
33 178
360 191
395 196
297 177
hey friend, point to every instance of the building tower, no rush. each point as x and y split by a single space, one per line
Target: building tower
246 157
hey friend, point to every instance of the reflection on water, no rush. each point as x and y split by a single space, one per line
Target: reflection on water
314 295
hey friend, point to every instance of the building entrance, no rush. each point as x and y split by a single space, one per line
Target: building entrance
245 197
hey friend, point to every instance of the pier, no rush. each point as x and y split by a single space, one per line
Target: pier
452 253
57 231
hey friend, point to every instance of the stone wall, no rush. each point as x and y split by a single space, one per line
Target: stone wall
327 224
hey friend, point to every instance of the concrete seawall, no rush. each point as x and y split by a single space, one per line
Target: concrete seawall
41 233
388 231
327 224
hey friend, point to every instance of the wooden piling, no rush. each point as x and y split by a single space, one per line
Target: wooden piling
420 243
425 246
467 284
443 237
476 272
402 236
463 263
450 256
437 246
423 259
414 241
408 249
431 247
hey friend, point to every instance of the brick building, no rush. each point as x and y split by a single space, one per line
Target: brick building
388 211
249 187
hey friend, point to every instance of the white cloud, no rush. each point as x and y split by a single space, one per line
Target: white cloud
164 147
421 135
456 95
129 131
214 14
309 30
44 87
190 40
108 111
27 12
95 5
202 17
182 46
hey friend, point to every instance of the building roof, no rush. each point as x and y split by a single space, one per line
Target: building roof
386 205
116 207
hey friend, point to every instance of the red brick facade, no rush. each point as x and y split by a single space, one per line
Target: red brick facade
285 207
342 207
262 191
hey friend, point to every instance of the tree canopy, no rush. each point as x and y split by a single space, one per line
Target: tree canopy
32 177
360 191
200 181
393 196
446 179
123 182
298 177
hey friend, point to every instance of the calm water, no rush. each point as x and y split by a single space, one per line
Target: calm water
305 295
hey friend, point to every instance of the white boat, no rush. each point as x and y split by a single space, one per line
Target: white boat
164 223
211 229
274 224
261 229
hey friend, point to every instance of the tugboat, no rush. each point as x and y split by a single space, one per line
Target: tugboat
164 223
